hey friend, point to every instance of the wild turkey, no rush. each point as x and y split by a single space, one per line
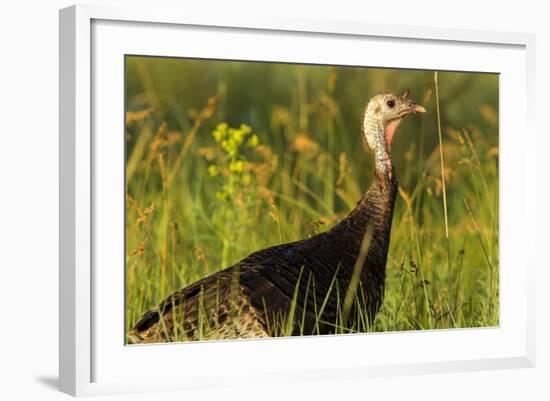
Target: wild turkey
331 282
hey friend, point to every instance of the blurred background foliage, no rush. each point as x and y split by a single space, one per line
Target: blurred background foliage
305 171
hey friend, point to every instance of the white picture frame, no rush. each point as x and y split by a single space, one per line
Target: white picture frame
92 38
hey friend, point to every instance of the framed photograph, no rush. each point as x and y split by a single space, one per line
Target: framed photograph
279 198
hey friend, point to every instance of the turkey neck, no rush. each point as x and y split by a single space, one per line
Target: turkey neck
379 138
373 214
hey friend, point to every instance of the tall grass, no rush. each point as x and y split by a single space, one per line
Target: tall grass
306 171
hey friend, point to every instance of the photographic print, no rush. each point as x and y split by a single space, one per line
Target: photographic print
277 199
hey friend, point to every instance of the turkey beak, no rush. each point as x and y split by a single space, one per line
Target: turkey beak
416 108
411 108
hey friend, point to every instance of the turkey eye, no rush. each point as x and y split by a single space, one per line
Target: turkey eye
390 103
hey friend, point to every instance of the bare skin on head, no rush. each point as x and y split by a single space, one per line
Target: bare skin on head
381 119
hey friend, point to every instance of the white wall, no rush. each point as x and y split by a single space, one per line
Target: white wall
29 184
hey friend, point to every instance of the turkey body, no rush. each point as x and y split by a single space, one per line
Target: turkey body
298 288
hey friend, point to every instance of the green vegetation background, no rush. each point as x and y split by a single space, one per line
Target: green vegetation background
192 211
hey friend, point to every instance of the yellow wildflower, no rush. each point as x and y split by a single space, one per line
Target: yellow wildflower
246 129
218 135
236 166
213 170
247 179
253 141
